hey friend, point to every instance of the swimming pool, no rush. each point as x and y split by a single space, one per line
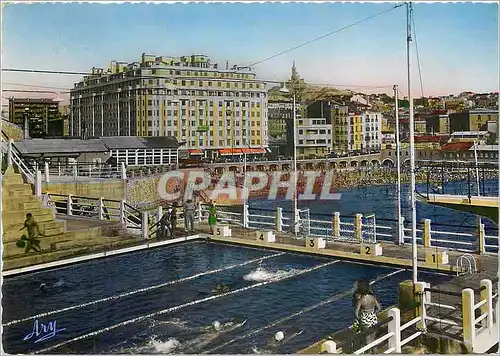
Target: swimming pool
162 301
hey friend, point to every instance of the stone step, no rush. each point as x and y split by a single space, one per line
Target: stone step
54 228
10 249
9 201
16 218
21 205
34 258
12 179
18 191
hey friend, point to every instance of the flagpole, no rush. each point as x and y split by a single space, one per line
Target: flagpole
398 163
412 151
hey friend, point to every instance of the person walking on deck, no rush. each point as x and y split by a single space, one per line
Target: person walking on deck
212 217
32 243
189 211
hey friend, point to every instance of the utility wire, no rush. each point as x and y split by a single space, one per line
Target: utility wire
416 50
324 36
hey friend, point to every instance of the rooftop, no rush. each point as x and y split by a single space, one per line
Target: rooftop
457 146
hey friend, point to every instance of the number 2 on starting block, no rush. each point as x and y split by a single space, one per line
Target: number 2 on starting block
371 250
315 243
222 231
265 236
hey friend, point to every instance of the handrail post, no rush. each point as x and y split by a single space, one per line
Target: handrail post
38 183
122 211
468 318
46 171
145 224
123 171
401 231
245 216
336 225
329 347
101 208
427 233
59 168
9 153
200 217
358 226
487 308
279 219
395 327
421 296
69 205
75 170
159 213
481 241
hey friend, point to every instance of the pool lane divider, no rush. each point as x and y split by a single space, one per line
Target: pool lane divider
333 298
185 305
99 255
142 290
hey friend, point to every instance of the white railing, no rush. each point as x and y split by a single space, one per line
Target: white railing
83 170
13 157
479 334
135 221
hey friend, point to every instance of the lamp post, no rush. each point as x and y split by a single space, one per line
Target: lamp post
26 125
296 216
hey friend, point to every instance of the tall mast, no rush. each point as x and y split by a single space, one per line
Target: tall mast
398 163
412 148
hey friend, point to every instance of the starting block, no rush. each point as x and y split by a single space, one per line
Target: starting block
436 257
315 243
265 236
371 249
222 231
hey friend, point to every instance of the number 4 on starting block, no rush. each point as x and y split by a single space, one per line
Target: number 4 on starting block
265 236
371 250
222 231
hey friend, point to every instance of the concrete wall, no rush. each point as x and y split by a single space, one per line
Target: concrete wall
12 131
108 189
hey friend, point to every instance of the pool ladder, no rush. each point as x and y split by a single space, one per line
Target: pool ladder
466 264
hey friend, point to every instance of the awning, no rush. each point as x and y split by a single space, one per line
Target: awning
195 152
253 150
230 151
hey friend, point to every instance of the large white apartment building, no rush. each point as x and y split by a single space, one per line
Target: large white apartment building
314 138
213 110
372 131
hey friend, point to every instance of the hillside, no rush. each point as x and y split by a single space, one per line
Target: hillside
309 93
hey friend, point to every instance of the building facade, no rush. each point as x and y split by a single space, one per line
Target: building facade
314 138
372 131
188 98
40 115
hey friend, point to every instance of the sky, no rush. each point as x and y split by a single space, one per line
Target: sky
457 42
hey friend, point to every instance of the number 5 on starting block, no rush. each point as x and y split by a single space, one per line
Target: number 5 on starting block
265 236
222 231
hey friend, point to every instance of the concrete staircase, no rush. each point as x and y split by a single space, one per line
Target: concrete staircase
60 241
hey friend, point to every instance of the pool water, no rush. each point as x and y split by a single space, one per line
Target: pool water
99 307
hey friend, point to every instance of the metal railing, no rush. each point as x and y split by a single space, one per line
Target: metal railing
82 169
133 220
15 157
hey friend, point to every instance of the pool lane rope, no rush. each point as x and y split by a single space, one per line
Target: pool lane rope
182 306
333 298
142 290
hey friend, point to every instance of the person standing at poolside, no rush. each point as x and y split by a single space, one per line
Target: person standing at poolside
189 211
212 217
366 309
173 218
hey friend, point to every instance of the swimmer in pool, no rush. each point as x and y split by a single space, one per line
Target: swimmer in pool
221 288
277 340
212 332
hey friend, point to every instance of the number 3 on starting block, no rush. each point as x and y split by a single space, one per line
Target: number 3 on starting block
265 236
315 243
371 250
